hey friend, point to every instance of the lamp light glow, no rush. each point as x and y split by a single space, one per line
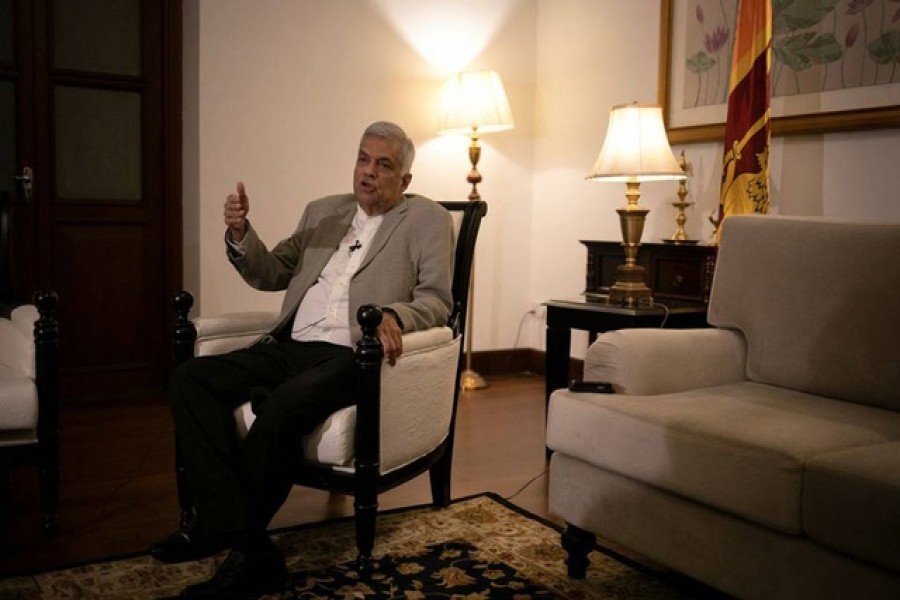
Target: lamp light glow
475 100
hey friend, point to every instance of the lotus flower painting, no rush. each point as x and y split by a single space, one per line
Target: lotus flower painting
817 46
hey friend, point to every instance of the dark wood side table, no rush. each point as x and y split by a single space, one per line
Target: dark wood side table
678 275
596 316
675 273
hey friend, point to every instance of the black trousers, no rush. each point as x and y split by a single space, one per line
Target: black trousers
238 485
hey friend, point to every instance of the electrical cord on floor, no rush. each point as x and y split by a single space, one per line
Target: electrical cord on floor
666 316
512 350
527 483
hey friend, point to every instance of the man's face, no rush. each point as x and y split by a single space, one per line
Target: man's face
377 180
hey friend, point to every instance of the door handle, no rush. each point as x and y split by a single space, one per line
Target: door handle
26 179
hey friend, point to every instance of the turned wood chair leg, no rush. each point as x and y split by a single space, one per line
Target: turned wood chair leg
439 476
577 543
49 485
366 513
5 497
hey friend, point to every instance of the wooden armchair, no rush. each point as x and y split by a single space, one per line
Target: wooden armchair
29 402
378 443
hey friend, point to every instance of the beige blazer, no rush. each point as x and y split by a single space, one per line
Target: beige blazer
408 267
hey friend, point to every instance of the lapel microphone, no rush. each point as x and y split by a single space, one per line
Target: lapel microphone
355 246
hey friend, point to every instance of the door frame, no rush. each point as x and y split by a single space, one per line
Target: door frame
172 187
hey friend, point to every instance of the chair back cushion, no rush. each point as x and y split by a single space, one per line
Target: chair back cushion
816 300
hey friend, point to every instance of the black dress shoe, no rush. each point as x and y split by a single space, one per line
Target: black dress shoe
187 544
244 575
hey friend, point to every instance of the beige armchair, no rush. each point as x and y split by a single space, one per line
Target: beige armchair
402 424
29 403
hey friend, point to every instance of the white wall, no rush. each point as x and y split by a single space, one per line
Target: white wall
278 91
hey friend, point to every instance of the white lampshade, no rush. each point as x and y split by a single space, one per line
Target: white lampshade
636 147
475 100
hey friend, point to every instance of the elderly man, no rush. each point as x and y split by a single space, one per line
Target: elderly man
377 245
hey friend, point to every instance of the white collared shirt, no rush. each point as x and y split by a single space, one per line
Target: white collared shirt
324 312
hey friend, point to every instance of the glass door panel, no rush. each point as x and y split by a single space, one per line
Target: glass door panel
8 74
7 37
7 136
98 144
100 36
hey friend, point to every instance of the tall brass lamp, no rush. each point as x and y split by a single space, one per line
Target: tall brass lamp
635 150
474 103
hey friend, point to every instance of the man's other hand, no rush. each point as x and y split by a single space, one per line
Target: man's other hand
391 337
236 208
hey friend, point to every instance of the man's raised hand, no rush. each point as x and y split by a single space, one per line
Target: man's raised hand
236 208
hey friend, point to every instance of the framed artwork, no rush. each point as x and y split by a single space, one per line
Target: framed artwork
835 66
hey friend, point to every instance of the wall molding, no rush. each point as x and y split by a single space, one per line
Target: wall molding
514 361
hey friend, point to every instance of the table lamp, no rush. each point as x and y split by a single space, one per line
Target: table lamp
635 150
474 102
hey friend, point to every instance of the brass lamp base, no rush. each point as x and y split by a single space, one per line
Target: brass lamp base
629 289
470 380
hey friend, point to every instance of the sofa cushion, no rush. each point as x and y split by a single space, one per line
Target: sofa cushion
740 447
816 303
851 502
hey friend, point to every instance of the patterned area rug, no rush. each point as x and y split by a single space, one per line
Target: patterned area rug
480 547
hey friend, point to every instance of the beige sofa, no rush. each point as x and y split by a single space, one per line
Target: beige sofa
760 456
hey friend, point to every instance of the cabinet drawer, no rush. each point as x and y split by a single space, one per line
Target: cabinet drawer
677 278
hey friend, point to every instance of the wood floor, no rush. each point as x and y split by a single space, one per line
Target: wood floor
118 488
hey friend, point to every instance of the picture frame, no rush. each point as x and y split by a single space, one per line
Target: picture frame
849 109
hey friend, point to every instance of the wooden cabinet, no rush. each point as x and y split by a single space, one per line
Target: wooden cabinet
677 274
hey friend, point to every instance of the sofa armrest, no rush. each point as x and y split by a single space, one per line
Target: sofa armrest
231 331
660 361
16 348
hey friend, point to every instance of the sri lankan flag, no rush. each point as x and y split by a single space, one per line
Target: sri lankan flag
745 169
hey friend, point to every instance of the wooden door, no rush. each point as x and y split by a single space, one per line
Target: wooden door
90 118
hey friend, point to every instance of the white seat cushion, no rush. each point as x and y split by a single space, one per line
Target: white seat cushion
331 442
426 370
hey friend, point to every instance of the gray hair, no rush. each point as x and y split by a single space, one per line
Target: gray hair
393 132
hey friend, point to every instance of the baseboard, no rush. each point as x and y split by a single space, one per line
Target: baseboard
503 363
